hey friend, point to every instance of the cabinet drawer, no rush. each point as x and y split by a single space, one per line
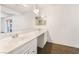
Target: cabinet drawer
31 51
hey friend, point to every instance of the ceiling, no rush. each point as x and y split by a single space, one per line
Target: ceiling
19 7
24 8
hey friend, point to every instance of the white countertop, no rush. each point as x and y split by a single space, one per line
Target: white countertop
8 44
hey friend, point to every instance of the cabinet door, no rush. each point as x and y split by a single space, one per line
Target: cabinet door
25 49
21 49
42 39
45 38
33 49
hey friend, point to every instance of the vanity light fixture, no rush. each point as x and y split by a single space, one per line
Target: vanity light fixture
35 8
25 5
36 11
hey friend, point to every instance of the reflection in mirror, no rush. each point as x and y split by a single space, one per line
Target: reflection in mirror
6 23
16 18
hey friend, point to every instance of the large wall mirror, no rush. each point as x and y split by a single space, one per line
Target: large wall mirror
6 19
16 18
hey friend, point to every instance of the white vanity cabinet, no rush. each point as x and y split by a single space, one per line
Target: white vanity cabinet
41 40
26 43
27 48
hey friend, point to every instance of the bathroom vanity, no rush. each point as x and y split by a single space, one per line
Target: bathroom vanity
24 43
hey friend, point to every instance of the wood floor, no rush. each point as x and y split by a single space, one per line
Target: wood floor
52 48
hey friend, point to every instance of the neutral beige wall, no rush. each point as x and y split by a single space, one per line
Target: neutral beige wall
63 24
